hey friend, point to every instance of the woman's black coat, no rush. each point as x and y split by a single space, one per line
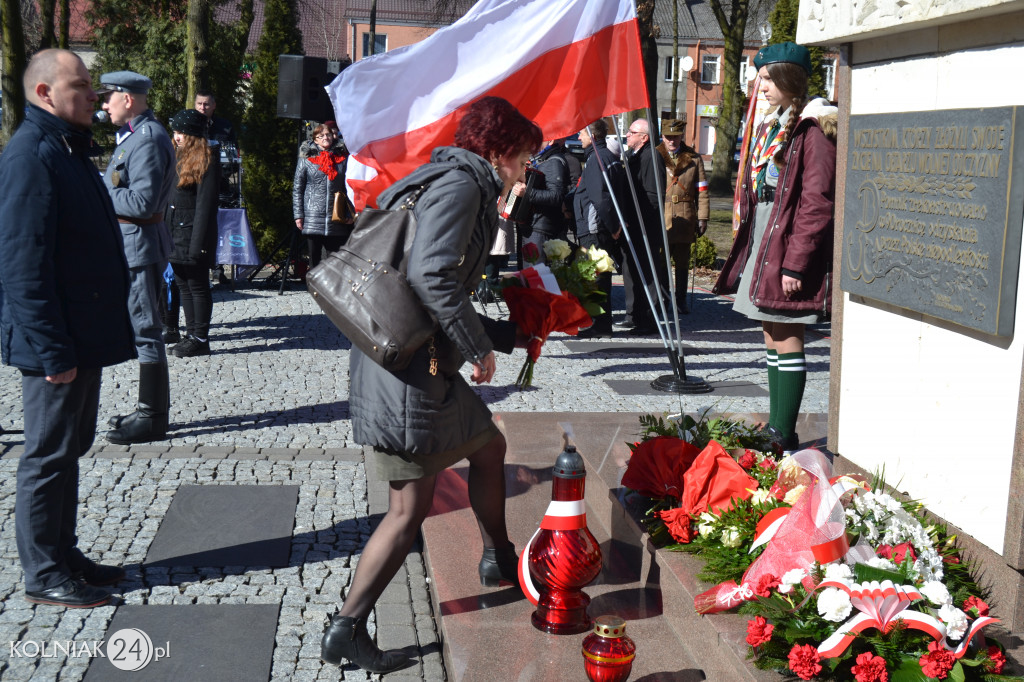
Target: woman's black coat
191 217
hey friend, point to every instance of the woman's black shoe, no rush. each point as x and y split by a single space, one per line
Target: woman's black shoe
497 565
783 445
347 638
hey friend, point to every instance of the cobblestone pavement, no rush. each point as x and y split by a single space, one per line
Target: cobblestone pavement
269 407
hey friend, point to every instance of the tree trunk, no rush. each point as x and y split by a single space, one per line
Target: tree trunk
198 53
373 28
733 26
64 39
13 91
649 54
675 58
46 13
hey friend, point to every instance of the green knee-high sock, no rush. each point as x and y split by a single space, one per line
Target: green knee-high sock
792 378
773 385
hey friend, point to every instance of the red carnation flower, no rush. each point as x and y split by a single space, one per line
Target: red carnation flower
980 608
996 659
759 631
937 662
870 668
678 523
804 661
747 460
768 463
900 552
765 584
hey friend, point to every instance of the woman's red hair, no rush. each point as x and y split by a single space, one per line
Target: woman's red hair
493 127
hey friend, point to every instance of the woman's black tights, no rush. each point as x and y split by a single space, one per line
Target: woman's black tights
318 243
409 504
196 300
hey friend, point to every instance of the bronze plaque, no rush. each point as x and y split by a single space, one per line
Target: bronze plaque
933 213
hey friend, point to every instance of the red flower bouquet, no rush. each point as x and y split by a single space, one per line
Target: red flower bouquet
560 296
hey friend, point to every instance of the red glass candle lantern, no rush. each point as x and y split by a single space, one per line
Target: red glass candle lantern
564 556
607 652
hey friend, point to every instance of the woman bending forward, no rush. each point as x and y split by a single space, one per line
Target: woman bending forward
426 417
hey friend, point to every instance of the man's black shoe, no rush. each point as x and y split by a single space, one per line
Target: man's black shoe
643 330
99 575
594 333
72 594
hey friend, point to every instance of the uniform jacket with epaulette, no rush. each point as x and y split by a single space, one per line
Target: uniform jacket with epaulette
140 177
684 204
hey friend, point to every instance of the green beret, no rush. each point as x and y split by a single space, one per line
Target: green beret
790 53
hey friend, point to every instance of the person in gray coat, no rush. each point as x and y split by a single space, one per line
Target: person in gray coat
140 177
426 417
319 175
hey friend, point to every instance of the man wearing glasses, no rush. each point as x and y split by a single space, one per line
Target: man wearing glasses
639 272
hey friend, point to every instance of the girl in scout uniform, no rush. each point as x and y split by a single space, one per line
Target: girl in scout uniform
780 266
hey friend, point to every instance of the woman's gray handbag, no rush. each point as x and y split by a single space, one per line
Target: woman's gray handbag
363 289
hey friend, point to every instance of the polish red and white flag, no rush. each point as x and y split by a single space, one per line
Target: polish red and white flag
562 63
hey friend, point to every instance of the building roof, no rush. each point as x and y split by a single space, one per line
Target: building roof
418 12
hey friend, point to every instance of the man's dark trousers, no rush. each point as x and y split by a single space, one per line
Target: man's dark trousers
60 425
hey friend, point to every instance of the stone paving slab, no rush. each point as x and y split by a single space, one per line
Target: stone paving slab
188 642
239 525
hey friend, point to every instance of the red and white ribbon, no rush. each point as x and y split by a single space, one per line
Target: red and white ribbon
540 277
880 605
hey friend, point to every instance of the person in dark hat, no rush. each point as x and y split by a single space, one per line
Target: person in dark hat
140 177
780 266
192 217
687 206
65 317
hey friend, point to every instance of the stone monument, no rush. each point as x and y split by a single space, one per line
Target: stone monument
927 355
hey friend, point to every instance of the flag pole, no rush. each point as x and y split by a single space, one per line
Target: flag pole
643 231
677 382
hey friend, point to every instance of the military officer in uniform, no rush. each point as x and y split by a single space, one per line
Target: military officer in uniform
687 205
140 177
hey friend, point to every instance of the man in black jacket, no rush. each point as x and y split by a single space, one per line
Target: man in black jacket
638 272
65 284
597 222
547 195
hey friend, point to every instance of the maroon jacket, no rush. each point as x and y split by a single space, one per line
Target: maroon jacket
799 239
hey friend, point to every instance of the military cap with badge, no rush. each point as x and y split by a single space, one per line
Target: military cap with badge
673 126
124 81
